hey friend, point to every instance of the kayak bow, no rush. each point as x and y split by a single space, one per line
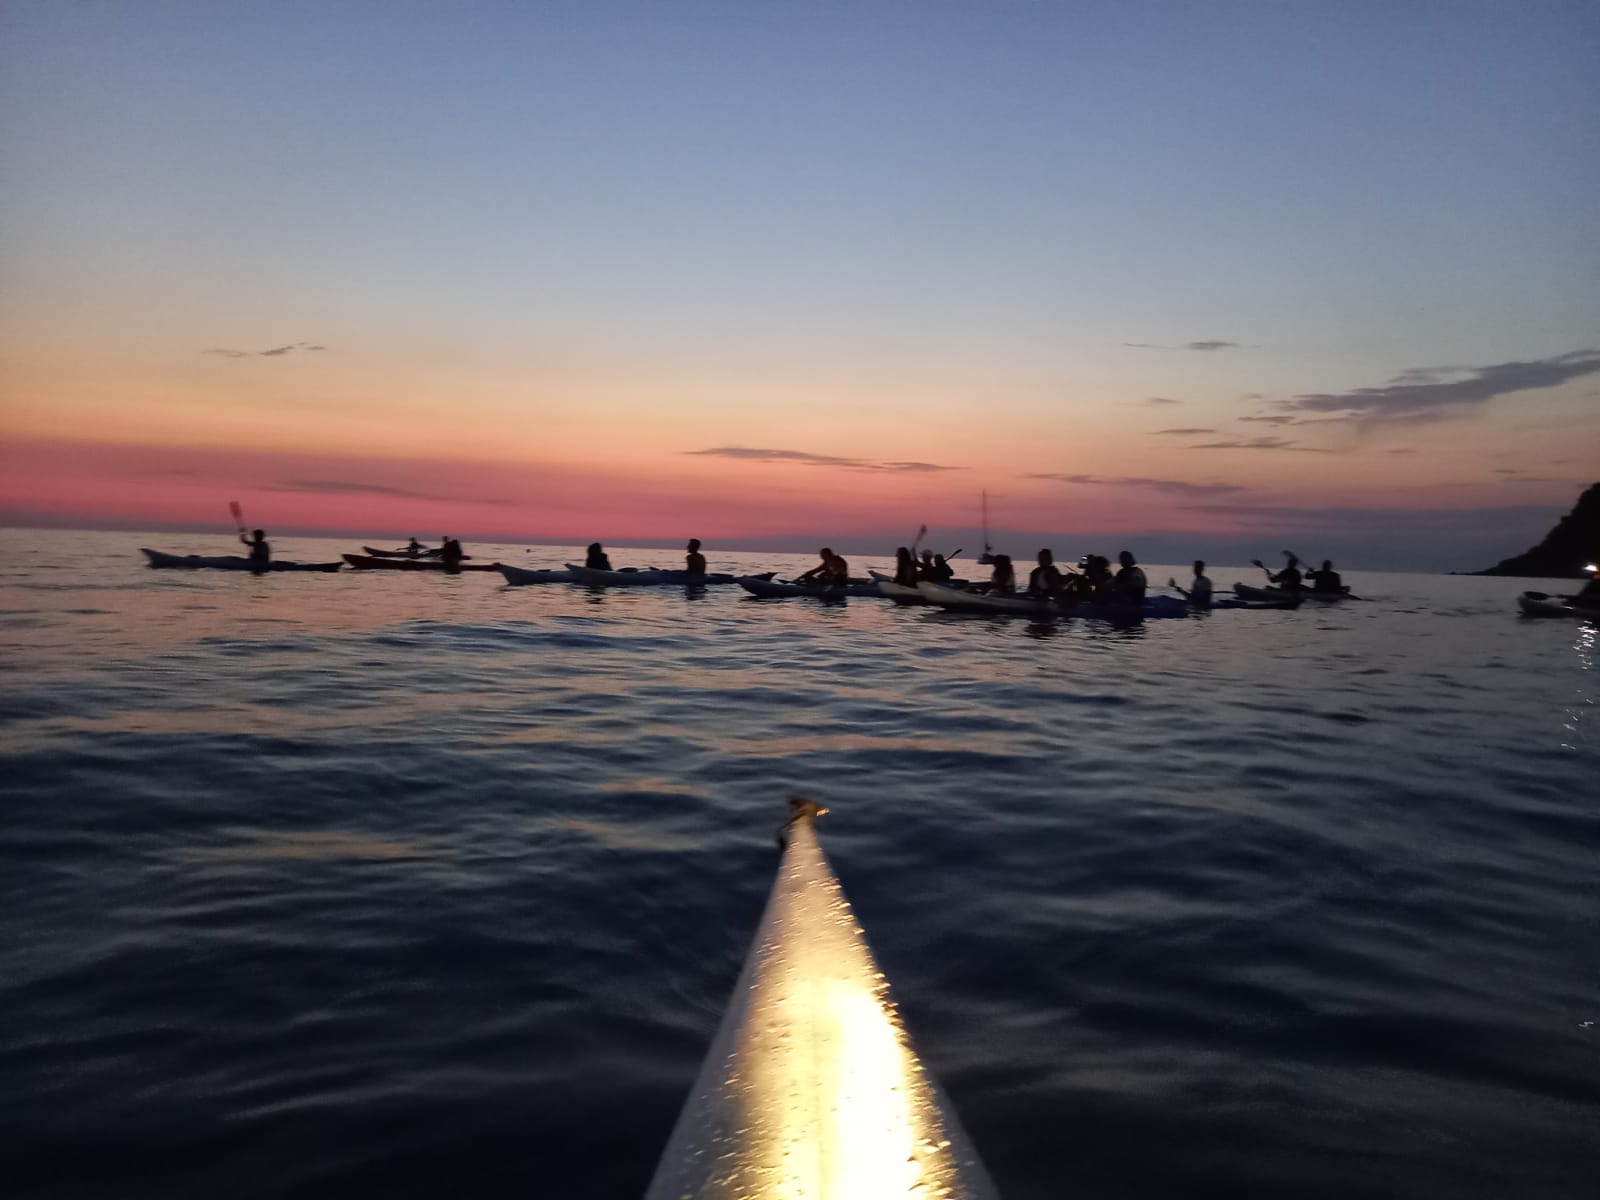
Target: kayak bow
811 1090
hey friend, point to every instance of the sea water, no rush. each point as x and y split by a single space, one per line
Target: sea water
410 885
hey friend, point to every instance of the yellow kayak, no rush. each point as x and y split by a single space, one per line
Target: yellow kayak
811 1089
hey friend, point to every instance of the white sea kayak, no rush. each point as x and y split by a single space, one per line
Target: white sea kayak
1541 604
962 601
811 1089
634 577
518 576
229 562
900 593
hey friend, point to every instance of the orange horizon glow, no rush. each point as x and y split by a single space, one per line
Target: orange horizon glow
675 495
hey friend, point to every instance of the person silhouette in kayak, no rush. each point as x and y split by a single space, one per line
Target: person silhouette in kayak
260 551
1325 582
1003 579
1045 579
832 569
450 554
906 573
414 547
1198 593
597 560
1129 584
694 563
925 565
1289 579
943 572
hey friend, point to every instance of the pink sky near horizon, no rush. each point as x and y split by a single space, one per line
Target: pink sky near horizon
673 495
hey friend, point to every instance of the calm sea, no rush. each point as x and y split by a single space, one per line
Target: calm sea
381 884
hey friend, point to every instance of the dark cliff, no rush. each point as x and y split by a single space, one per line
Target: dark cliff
1566 549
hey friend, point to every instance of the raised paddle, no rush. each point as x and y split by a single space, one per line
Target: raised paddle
922 532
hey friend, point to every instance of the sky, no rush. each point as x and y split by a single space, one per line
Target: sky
1156 273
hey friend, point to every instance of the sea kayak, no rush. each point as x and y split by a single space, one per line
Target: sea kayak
811 1089
775 589
1541 604
373 552
363 562
1153 607
229 562
634 577
1287 604
962 601
522 575
900 593
1245 592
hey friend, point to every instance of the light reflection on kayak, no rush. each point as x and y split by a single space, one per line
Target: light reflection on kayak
811 1089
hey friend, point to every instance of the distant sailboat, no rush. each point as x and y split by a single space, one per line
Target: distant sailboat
987 557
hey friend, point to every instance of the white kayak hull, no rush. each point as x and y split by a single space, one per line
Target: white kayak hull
1539 604
811 1089
955 598
899 593
520 576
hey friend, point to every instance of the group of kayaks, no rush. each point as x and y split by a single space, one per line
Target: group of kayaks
952 595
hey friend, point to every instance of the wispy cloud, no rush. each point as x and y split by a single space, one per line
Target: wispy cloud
806 458
1158 401
1277 419
1179 487
1180 432
1432 393
1262 443
275 352
345 487
1202 346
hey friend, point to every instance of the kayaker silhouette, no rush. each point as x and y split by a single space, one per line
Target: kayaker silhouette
260 551
1326 581
694 562
597 560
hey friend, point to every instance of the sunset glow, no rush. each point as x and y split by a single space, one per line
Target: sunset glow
470 286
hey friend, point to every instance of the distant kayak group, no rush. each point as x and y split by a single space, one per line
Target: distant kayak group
1093 589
